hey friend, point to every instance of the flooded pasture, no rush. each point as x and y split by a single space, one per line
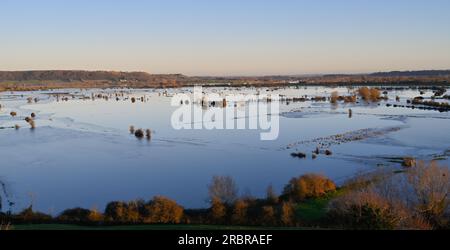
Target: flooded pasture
81 153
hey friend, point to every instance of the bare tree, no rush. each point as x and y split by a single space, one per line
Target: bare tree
223 188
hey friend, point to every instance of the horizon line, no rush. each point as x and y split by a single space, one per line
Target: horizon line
349 73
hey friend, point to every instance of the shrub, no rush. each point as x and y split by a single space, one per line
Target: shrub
308 186
415 199
132 214
132 130
163 210
287 215
139 133
116 211
95 216
334 97
431 191
32 124
375 94
75 215
350 99
30 216
365 210
268 216
13 114
239 216
370 94
148 134
409 162
218 211
364 92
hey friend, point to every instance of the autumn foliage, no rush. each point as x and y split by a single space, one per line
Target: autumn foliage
308 186
369 94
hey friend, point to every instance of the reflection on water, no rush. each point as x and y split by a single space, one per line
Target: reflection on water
82 154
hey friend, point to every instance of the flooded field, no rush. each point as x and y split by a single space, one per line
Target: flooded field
81 152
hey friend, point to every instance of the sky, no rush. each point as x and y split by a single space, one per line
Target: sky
225 37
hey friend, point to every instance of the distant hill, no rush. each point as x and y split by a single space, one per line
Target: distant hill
48 79
429 73
73 75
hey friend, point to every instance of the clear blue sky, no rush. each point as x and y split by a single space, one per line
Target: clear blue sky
225 37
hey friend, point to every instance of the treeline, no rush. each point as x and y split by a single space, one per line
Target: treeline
414 198
74 75
50 79
417 73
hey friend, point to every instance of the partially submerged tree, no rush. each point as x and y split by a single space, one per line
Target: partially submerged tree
334 97
139 133
148 134
131 129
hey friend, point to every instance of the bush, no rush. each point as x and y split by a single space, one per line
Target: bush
364 92
370 94
415 199
116 211
218 211
163 210
148 134
268 216
365 210
75 215
32 124
409 162
239 216
95 216
334 97
287 215
308 186
375 94
30 216
139 133
430 184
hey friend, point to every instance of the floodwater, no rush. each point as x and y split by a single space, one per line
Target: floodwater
81 153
